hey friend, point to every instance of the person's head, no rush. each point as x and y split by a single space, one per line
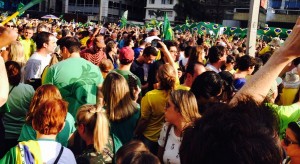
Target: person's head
246 63
10 25
230 62
7 35
92 123
129 42
197 54
206 88
192 71
13 70
172 47
153 32
42 94
47 41
98 43
105 67
116 97
244 133
132 146
69 45
166 77
111 46
28 32
42 28
217 54
149 54
65 32
229 89
126 55
16 53
49 116
138 157
291 141
181 106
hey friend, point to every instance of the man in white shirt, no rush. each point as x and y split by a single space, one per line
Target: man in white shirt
46 44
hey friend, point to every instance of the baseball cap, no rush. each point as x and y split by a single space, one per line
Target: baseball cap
126 53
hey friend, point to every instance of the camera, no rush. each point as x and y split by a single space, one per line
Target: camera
155 43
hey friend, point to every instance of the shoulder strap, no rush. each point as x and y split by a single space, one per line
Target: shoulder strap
59 155
11 89
167 136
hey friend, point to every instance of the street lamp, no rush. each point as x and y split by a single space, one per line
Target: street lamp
100 12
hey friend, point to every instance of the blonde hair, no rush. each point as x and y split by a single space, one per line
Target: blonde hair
16 53
186 104
166 76
96 124
116 96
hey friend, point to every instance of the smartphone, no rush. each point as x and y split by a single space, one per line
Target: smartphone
155 43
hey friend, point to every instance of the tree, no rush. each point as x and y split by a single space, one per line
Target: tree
189 8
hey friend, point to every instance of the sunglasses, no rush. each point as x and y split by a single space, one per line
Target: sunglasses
288 142
10 26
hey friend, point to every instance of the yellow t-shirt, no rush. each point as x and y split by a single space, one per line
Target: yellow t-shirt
29 47
153 109
287 96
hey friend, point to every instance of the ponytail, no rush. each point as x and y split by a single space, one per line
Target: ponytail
101 131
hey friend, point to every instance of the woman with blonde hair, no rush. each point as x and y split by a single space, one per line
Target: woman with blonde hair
153 104
93 127
42 94
181 111
16 53
122 112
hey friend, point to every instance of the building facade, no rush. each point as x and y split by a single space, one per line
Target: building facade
156 9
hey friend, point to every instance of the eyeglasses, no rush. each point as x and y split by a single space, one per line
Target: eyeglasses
288 142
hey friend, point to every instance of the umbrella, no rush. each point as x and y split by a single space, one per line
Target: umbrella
49 17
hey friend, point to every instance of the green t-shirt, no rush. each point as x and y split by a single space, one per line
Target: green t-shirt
18 102
125 75
124 130
28 133
286 115
77 80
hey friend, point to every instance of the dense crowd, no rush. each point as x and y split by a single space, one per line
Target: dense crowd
102 94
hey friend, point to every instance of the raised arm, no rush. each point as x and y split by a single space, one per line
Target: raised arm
4 87
259 84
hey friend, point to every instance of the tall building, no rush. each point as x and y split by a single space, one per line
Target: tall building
157 8
111 10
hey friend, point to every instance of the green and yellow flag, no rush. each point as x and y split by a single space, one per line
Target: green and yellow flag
167 30
123 21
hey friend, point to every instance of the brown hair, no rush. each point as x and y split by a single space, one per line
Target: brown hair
42 94
49 116
166 76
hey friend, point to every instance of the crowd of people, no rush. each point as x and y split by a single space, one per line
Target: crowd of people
101 94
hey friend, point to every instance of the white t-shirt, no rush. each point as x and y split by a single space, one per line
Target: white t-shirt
171 154
212 68
50 150
36 65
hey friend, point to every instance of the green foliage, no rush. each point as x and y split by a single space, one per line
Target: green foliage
189 8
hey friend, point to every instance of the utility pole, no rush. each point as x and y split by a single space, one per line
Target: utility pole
252 26
100 11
